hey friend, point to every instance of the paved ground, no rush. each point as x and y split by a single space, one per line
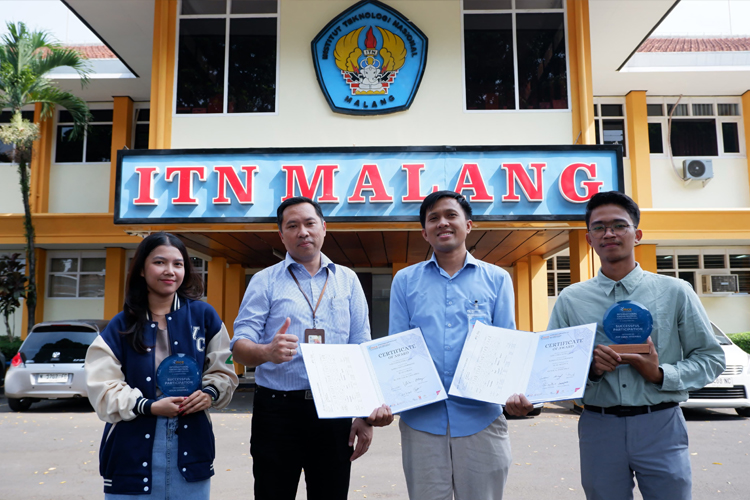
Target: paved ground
50 452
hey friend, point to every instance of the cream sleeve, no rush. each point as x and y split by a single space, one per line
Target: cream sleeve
111 397
216 371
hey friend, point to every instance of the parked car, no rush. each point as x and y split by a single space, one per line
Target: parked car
49 364
731 389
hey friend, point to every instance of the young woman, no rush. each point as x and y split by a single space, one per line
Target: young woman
155 446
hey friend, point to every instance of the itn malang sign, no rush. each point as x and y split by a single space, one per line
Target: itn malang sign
361 184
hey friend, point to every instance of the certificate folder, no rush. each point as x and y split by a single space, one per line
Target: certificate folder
352 380
548 366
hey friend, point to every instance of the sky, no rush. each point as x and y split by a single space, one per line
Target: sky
689 18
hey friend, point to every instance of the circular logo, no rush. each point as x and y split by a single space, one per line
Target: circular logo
628 322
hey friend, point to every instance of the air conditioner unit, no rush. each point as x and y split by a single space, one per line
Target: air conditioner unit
720 284
696 169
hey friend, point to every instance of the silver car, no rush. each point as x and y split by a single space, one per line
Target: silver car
49 364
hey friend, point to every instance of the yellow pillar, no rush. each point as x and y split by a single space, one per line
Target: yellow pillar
233 292
539 312
41 282
41 159
638 147
122 136
580 256
581 82
522 287
746 120
645 255
162 74
217 276
114 282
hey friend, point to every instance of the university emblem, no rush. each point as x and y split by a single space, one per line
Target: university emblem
369 60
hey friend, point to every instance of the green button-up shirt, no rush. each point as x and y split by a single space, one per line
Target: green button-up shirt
689 354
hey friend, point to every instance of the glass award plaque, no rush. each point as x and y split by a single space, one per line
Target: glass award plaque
178 375
628 324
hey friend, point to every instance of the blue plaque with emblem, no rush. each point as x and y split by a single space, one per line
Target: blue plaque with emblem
628 324
369 60
178 375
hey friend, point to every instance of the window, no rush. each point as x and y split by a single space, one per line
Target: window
609 123
140 139
515 55
76 275
558 275
200 267
701 126
6 150
688 264
227 56
94 145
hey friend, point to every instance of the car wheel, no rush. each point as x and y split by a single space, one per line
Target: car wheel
743 412
535 412
21 404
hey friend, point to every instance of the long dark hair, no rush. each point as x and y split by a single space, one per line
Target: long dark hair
136 291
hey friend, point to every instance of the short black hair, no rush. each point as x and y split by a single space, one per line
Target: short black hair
614 198
433 198
296 201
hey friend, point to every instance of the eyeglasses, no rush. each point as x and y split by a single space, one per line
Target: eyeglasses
618 229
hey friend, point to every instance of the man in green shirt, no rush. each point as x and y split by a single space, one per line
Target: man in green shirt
631 423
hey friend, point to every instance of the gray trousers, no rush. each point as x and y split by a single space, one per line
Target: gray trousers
471 468
653 447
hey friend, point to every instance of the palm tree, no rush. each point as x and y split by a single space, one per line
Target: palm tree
25 59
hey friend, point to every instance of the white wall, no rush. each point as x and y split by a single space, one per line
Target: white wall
60 309
79 188
730 187
10 190
731 314
436 116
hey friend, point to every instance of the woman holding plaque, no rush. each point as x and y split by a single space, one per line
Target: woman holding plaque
153 374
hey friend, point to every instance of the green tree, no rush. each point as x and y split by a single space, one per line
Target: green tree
26 58
12 288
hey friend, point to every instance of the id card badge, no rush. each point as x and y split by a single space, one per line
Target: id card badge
315 336
475 314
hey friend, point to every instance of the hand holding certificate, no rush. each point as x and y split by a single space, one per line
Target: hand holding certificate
548 366
351 380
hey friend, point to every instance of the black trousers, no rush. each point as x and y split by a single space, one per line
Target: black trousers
286 437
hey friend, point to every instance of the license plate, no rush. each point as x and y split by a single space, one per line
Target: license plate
721 382
52 378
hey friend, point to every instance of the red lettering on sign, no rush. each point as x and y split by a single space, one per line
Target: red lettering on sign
370 180
146 185
185 182
471 178
227 175
567 182
515 172
296 174
412 183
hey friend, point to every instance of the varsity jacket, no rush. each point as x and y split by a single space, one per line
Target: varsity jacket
122 386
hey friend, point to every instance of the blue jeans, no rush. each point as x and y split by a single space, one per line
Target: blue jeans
167 482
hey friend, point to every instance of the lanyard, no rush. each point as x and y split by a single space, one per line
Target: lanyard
305 295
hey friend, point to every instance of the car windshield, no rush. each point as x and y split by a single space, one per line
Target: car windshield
723 339
57 347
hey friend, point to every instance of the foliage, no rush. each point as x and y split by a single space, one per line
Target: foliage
12 287
742 340
26 58
9 347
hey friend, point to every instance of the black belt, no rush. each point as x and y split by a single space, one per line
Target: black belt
629 411
303 394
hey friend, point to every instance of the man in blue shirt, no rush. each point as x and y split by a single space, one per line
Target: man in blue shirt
631 423
456 447
306 295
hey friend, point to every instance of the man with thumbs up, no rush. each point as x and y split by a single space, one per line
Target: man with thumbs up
305 298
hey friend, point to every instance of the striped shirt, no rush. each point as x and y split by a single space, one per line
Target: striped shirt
273 295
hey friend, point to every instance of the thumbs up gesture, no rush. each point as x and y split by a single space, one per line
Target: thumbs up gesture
283 347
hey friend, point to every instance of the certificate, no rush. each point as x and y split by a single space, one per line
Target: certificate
548 366
352 380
